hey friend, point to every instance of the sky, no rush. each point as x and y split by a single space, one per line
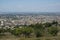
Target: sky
29 5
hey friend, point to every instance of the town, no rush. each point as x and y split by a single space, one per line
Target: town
12 20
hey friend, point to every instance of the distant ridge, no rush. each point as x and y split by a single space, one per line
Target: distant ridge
31 13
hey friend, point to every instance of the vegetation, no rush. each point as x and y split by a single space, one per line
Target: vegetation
53 31
37 30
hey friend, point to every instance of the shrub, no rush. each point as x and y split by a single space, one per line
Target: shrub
53 31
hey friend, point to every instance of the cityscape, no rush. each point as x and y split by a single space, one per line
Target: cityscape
21 19
29 19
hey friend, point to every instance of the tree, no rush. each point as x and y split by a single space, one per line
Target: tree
55 23
47 24
2 31
53 31
16 31
39 29
38 33
26 31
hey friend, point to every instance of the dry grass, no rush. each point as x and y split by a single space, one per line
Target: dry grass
12 37
41 38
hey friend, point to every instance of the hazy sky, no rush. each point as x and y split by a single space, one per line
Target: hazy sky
29 5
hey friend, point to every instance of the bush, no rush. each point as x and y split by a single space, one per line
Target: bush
53 31
38 33
26 31
16 31
47 24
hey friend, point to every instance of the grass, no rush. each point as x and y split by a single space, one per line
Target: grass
41 38
12 37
